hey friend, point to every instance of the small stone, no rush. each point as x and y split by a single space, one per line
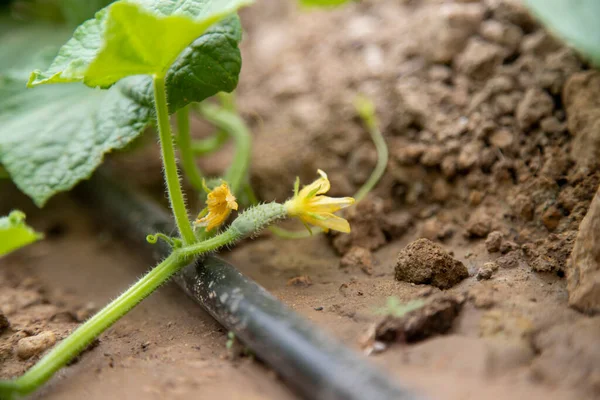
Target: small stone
551 218
449 166
441 190
507 246
424 262
524 207
358 257
507 35
302 280
434 229
34 345
475 197
583 273
552 125
479 225
486 271
494 241
502 139
409 154
469 155
433 156
535 105
479 59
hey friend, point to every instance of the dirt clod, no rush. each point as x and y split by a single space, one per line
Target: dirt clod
493 242
486 271
583 116
535 105
434 318
510 260
479 59
4 324
445 29
551 218
583 275
358 257
550 254
34 345
479 225
424 262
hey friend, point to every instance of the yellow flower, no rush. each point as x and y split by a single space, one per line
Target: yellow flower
311 207
220 202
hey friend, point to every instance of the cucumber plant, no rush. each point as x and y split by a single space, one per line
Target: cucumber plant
141 60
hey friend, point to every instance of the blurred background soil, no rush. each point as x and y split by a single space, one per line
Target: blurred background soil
493 156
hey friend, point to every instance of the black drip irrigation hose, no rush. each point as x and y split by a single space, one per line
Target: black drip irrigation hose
310 361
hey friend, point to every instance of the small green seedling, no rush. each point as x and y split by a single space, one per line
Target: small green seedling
15 233
395 308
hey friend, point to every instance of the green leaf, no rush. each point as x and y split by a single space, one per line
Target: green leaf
322 3
133 37
54 136
576 22
14 233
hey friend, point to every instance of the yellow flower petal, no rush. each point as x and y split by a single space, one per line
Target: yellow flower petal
330 222
311 207
321 186
331 204
220 201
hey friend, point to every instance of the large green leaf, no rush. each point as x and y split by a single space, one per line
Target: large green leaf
575 21
52 137
14 233
133 37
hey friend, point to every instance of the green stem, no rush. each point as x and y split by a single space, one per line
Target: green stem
230 122
170 165
211 144
184 142
382 160
215 242
247 223
83 336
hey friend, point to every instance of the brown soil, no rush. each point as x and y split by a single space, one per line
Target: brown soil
491 156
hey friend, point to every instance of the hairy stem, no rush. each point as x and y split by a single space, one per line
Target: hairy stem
170 165
230 122
247 223
184 142
92 328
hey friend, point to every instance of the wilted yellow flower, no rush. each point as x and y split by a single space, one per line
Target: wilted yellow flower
220 201
313 208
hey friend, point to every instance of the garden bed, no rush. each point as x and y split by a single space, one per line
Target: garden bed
477 126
